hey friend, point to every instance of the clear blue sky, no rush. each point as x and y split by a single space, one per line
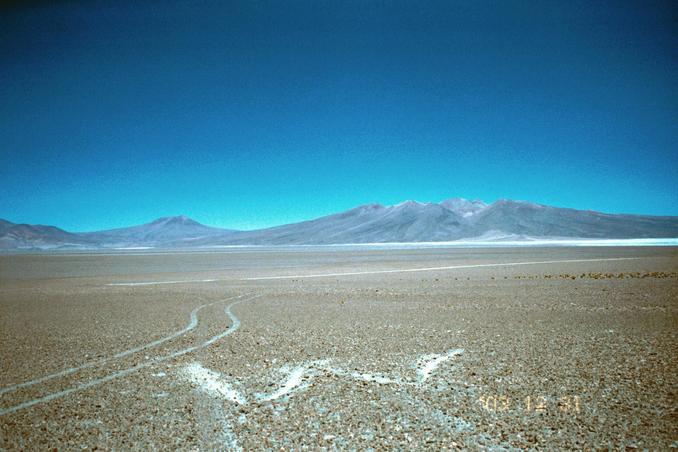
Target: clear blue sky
255 113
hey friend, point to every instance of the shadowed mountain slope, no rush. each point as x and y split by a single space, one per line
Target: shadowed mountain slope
13 236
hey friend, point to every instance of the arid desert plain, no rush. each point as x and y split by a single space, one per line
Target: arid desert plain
340 348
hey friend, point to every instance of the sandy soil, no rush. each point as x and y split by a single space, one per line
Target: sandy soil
253 349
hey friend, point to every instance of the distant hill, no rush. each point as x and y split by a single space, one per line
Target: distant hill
536 220
456 219
410 221
14 236
166 231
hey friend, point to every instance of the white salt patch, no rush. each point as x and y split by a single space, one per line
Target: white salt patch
227 436
212 382
429 363
462 425
298 379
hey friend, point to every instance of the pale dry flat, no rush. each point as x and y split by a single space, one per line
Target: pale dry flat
563 348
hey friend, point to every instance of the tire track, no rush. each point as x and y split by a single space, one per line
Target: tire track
374 272
191 325
235 325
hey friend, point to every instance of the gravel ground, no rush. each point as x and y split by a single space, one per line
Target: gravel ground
558 355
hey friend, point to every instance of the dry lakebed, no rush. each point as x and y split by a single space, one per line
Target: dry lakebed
340 348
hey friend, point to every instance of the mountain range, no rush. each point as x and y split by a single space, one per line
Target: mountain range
410 221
